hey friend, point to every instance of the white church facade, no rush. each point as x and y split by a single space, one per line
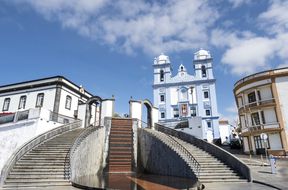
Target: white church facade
187 97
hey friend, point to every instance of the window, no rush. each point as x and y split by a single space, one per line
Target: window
255 119
162 115
162 98
22 102
203 70
260 143
6 104
176 112
40 100
68 102
161 75
206 94
209 125
259 94
263 117
193 111
251 97
208 112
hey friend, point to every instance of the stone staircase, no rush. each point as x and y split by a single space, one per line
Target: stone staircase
45 165
120 154
211 169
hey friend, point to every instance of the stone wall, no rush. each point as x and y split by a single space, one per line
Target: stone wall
214 150
155 157
87 158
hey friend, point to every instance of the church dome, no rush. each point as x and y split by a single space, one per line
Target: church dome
202 54
162 59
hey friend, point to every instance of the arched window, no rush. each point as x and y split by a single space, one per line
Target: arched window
203 69
68 102
161 75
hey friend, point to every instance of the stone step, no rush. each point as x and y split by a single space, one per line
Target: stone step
39 166
219 177
127 145
44 157
223 181
117 156
119 159
52 148
26 181
39 176
49 161
14 186
119 164
119 140
40 170
36 172
125 136
218 174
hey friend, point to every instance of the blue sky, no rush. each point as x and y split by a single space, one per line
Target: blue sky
109 46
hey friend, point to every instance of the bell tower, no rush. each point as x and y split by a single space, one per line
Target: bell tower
203 64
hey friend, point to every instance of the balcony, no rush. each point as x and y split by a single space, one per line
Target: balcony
274 126
265 102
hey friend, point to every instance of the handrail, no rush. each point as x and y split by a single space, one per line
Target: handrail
226 157
31 144
195 162
196 167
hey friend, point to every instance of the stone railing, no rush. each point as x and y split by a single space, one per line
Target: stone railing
214 150
33 143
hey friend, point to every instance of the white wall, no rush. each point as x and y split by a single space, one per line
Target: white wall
107 109
225 131
136 111
245 144
14 135
282 89
270 115
49 97
174 96
275 141
74 102
266 93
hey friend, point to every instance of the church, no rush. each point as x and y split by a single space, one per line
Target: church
186 97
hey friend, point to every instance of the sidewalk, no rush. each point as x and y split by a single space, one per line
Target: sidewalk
262 174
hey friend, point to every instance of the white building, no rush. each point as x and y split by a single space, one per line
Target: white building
263 108
28 109
184 96
225 131
56 94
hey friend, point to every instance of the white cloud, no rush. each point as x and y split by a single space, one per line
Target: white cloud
127 25
238 3
274 20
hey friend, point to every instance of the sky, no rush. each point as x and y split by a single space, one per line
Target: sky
109 46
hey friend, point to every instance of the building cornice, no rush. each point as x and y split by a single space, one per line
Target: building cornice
55 80
260 76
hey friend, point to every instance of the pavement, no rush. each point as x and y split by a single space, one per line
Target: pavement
262 173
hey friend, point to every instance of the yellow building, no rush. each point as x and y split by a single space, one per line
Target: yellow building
262 102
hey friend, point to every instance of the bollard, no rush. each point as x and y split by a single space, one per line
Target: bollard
262 162
273 164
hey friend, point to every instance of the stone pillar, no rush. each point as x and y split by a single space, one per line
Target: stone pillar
136 110
155 114
107 109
